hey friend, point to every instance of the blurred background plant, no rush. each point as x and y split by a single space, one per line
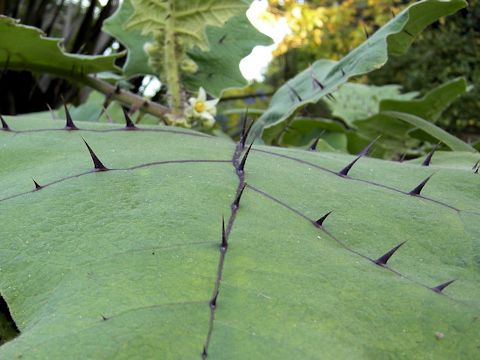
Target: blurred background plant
430 75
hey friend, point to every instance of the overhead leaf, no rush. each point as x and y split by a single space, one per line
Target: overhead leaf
218 68
393 38
126 263
451 141
26 48
133 40
188 18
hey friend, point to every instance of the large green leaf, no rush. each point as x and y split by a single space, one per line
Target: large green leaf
433 104
25 48
190 18
393 38
358 101
122 264
133 40
451 141
218 68
401 134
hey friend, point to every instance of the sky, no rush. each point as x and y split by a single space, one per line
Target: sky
254 65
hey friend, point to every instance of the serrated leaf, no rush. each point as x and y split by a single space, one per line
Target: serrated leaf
393 38
191 17
218 68
133 40
26 48
122 264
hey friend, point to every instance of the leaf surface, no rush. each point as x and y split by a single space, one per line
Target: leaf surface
123 263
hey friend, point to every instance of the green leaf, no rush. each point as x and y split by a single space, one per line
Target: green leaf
393 38
433 104
92 110
133 40
190 18
359 101
122 264
303 131
218 68
26 48
451 141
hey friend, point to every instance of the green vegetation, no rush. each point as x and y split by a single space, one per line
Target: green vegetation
144 240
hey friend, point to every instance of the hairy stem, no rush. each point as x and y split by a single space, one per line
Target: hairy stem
171 65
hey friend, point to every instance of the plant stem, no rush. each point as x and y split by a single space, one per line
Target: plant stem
125 97
171 65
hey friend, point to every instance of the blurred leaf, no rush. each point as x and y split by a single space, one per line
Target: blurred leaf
432 104
92 110
303 131
359 101
393 38
451 141
25 48
218 68
132 39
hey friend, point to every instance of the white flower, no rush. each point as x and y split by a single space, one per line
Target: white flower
202 109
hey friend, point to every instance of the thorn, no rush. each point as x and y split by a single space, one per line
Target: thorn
245 129
439 288
4 124
365 151
236 203
220 41
427 160
331 97
367 35
52 113
294 92
402 158
244 159
213 302
204 353
69 124
37 185
319 222
343 72
418 189
104 318
393 13
313 147
96 161
129 125
408 33
316 84
475 166
346 169
224 244
382 260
